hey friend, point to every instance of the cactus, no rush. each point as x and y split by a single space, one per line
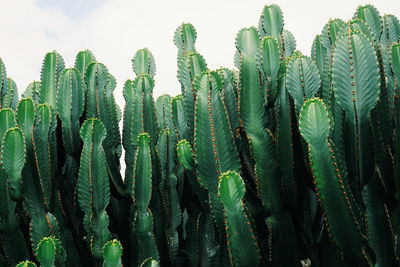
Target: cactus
82 60
214 145
26 264
332 186
142 217
284 160
70 104
52 66
112 252
355 56
32 91
13 160
8 89
93 187
241 241
149 263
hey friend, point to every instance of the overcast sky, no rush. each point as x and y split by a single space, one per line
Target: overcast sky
115 29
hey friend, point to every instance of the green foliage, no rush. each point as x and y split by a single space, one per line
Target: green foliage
285 160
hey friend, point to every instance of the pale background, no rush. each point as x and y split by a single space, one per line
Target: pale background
115 29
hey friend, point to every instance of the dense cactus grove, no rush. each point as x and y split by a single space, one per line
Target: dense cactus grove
287 160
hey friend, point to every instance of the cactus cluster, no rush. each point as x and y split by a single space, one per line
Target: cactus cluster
286 160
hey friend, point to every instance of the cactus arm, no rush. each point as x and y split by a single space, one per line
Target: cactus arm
11 237
285 146
370 15
143 218
133 124
288 43
229 94
164 112
143 173
33 194
359 71
302 80
185 154
179 117
100 103
189 67
3 77
269 65
70 103
319 54
93 189
10 96
143 225
112 252
252 110
82 60
150 262
52 66
333 190
168 186
46 252
185 38
214 144
13 151
253 116
242 244
26 264
44 124
96 78
143 63
32 91
330 33
391 30
380 232
395 65
271 22
7 120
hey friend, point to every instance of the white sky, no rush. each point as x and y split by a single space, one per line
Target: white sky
115 29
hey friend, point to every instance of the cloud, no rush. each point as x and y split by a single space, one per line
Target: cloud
115 29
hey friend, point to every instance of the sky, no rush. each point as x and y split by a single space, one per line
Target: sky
115 29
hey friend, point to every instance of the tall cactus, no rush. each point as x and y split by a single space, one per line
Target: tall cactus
93 187
70 104
185 38
355 57
142 218
8 89
13 160
112 252
332 185
100 103
52 66
214 145
241 241
11 237
82 60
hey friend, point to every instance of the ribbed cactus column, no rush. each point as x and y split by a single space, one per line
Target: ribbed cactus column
332 185
8 89
52 66
355 66
93 188
11 237
142 219
214 145
100 103
242 243
112 252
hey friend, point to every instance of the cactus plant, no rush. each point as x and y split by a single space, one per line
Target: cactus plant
283 160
